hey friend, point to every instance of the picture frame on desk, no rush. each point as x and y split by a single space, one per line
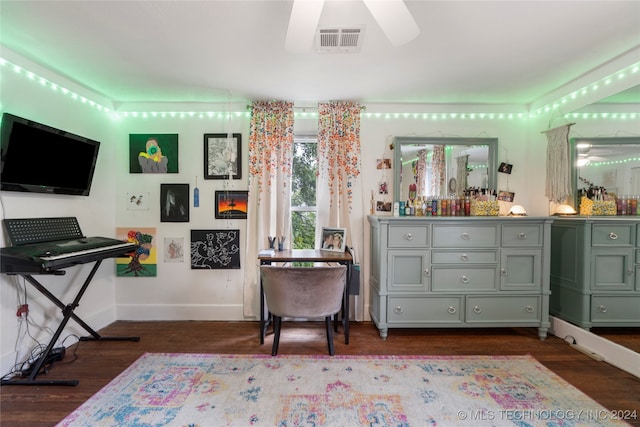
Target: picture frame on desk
333 239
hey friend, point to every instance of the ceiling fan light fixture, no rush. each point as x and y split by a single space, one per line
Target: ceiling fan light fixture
303 21
395 20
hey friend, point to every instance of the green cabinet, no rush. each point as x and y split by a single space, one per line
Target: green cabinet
595 264
459 272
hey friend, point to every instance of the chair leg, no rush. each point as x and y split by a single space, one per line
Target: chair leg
329 335
277 323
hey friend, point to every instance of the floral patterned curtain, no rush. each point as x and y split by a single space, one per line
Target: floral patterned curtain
338 181
339 149
270 168
421 173
438 167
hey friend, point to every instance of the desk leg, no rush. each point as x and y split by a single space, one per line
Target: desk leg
264 322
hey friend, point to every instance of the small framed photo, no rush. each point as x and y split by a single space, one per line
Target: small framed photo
174 202
333 239
505 168
506 196
232 204
222 156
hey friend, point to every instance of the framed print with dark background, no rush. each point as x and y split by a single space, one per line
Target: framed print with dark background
174 202
222 156
231 204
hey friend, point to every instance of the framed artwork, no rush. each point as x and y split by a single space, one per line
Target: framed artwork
215 249
174 202
143 261
333 239
173 249
153 153
231 204
222 156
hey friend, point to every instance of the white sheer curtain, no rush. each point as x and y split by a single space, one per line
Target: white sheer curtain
558 184
268 213
338 180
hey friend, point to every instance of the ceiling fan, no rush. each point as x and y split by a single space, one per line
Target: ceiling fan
392 15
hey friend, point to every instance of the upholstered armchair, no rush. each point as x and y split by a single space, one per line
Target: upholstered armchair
303 293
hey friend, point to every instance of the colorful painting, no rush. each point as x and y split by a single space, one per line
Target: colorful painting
143 261
153 153
232 204
215 249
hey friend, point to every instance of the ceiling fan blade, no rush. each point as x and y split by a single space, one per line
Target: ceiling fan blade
303 23
395 20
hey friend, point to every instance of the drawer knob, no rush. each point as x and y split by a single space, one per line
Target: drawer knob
451 310
397 309
522 236
464 257
503 271
464 279
477 309
613 236
408 236
465 236
630 271
426 272
602 309
529 309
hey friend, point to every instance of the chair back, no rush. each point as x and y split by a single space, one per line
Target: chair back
302 292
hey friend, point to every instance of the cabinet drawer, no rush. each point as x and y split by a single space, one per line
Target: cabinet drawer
408 236
498 309
462 236
522 235
477 278
615 308
464 257
425 310
612 235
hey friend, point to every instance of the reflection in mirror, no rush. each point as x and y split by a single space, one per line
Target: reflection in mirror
443 166
607 169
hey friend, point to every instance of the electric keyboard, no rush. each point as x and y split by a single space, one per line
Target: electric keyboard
47 245
52 256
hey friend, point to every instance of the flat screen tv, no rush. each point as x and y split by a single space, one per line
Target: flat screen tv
39 158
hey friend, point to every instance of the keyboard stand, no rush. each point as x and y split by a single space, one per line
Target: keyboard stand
68 313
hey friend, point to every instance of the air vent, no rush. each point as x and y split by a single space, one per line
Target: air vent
338 39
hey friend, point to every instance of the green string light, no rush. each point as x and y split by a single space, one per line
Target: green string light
631 70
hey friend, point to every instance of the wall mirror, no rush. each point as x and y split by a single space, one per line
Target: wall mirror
605 161
612 163
443 166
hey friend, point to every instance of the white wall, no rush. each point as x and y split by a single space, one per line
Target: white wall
179 293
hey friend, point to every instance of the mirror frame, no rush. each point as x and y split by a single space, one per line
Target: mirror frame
573 150
399 141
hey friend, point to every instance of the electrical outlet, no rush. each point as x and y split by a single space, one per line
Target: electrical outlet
23 310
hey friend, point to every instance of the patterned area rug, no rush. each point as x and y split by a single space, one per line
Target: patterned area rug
286 391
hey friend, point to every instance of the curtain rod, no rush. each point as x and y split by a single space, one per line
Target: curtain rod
362 107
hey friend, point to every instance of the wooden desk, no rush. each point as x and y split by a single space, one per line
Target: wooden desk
308 255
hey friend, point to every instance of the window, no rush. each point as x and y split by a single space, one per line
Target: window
303 191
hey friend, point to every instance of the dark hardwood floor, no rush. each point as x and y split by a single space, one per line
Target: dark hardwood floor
94 364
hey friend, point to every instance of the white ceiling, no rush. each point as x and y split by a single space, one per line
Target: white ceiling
484 52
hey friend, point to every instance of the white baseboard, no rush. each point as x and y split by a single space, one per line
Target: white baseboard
231 312
597 347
